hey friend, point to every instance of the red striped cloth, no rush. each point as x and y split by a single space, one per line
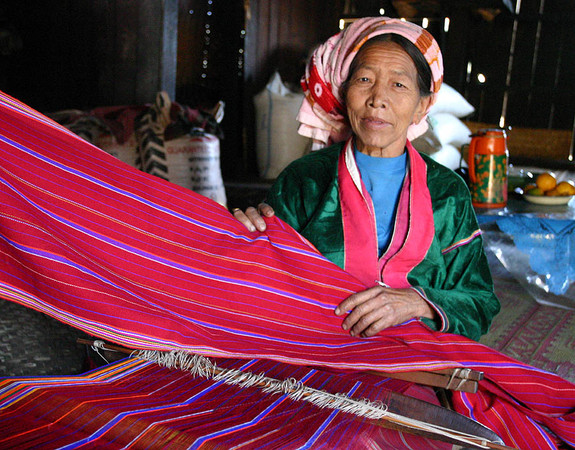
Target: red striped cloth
144 263
141 405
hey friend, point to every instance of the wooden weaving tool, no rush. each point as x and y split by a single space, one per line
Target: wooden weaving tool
424 419
465 380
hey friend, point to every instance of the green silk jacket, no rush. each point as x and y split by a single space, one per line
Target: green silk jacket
449 268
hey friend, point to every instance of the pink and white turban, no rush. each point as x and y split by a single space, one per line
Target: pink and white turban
322 115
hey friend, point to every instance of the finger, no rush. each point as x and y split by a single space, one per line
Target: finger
266 210
356 299
378 318
255 218
375 327
361 317
241 217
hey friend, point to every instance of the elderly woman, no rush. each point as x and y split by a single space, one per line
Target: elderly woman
401 223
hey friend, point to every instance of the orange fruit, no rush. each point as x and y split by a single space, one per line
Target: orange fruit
534 191
552 193
565 188
546 181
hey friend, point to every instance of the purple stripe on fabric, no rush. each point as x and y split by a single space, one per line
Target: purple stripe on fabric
215 316
542 433
162 274
147 255
133 250
110 163
265 239
468 405
125 193
165 343
5 101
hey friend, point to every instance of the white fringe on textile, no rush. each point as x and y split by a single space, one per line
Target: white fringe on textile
202 366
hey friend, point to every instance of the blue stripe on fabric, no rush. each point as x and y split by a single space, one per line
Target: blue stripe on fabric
198 443
312 440
245 366
123 415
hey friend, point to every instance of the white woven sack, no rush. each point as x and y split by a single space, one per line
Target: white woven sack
194 163
277 140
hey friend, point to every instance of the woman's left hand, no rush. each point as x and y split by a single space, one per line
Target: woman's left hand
378 308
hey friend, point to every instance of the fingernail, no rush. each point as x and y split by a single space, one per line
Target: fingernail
337 311
252 228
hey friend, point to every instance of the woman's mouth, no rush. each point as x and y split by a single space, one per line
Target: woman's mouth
374 122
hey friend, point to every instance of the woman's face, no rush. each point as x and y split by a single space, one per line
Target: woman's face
383 99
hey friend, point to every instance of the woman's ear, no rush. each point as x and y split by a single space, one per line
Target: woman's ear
422 108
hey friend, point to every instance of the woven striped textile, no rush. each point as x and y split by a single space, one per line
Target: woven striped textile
130 258
142 405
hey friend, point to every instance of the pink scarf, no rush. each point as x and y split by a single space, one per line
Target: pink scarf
322 114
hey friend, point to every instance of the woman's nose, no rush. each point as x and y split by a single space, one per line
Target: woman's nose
378 97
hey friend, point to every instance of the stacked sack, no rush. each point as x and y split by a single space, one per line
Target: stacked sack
446 133
277 140
171 141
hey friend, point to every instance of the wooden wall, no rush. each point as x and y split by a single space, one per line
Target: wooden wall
79 54
277 35
137 49
280 35
86 53
210 68
527 59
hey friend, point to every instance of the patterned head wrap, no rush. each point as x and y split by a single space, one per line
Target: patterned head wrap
322 114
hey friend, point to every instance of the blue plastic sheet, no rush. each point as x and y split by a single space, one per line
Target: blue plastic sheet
550 245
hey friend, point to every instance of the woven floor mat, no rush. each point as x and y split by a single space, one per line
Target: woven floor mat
542 336
32 343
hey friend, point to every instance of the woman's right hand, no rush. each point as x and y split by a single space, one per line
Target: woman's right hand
252 218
